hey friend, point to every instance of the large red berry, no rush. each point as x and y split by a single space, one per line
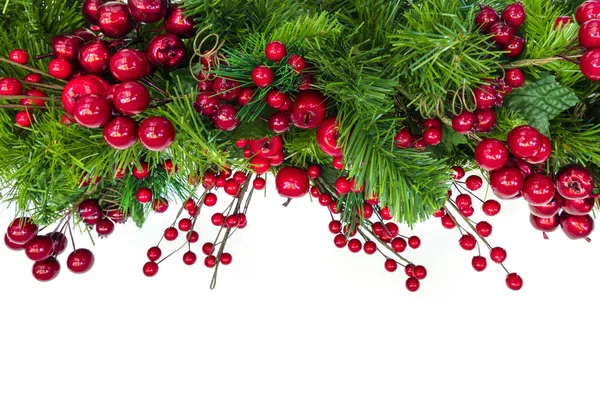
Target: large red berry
60 68
129 65
548 210
498 255
576 227
412 284
524 141
491 154
177 23
90 10
207 103
542 154
114 19
262 76
147 11
79 87
19 56
538 189
131 98
275 51
156 133
150 268
589 34
589 64
506 182
297 62
92 111
166 51
266 147
403 139
292 182
46 270
578 206
10 86
121 133
94 57
143 195
432 136
40 248
479 263
514 14
587 10
574 182
545 224
327 137
80 261
308 110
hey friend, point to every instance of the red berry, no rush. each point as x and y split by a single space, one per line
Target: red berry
297 62
337 163
538 189
474 182
545 224
259 183
189 258
177 23
207 103
486 17
275 51
279 122
342 186
486 120
33 78
10 86
327 137
467 242
403 139
432 123
24 119
419 272
506 182
166 51
154 253
308 110
578 206
226 89
562 20
120 133
479 263
19 56
129 65
370 247
226 258
160 205
156 133
491 207
33 101
340 241
464 122
484 229
574 182
171 234
514 281
225 118
390 265
412 284
491 154
524 141
501 32
210 261
576 227
150 268
589 64
218 219
485 97
587 10
207 248
589 34
105 227
94 57
262 76
354 245
515 78
39 248
464 201
335 226
414 242
432 136
46 270
498 255
80 261
60 68
514 14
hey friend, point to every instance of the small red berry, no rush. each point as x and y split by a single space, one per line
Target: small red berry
498 254
390 265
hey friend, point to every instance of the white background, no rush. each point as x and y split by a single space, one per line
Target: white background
295 320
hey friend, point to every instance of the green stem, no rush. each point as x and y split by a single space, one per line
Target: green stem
539 62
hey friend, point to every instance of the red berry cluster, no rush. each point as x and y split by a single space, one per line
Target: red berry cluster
473 234
22 235
83 58
524 176
232 218
503 27
588 17
430 136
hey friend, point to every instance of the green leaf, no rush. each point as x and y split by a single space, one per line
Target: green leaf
541 100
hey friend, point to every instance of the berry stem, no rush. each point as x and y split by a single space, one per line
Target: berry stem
71 234
539 62
41 85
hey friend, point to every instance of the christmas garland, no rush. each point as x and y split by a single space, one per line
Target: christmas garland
375 108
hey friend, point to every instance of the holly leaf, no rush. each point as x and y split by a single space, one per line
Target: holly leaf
540 101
